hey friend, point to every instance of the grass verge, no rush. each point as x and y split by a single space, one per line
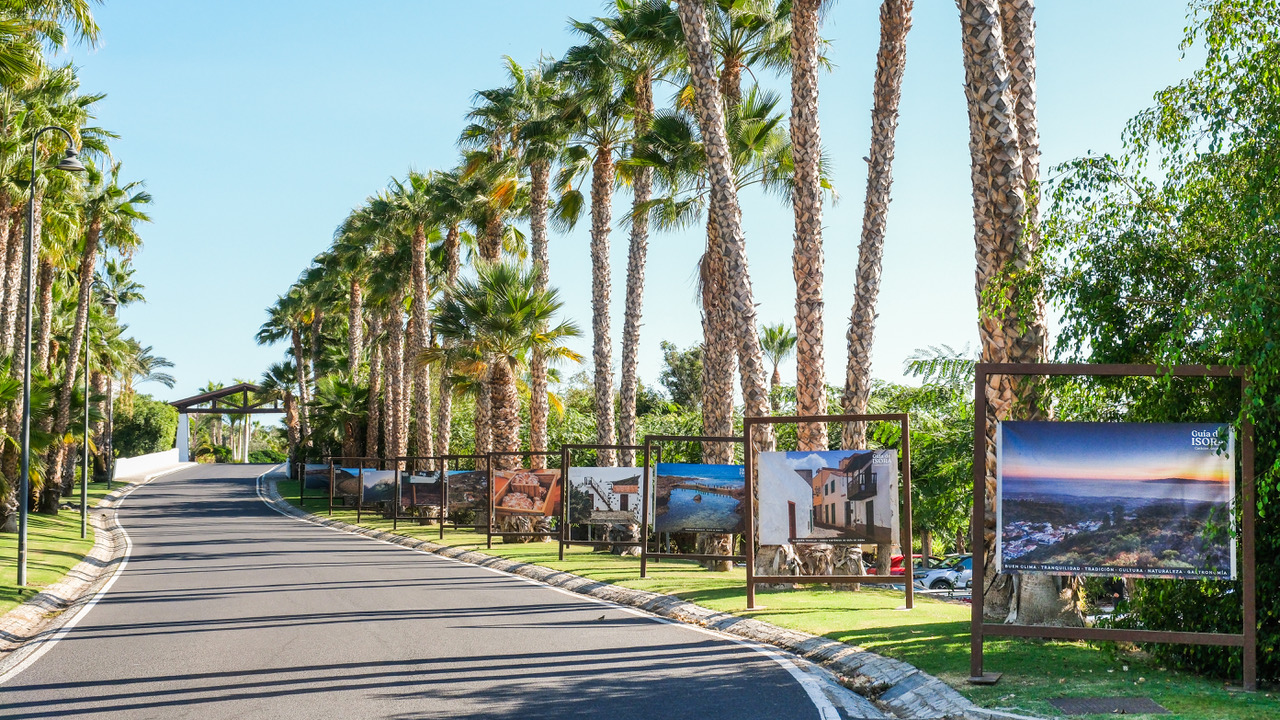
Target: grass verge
54 546
933 637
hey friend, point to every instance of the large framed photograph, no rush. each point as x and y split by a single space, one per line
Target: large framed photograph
378 486
420 487
526 493
1148 500
831 496
699 498
346 481
468 495
604 495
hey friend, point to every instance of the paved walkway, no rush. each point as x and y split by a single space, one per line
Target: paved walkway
228 609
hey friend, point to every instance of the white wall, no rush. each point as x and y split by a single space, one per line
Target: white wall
147 464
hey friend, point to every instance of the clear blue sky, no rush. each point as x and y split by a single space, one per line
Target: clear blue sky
258 125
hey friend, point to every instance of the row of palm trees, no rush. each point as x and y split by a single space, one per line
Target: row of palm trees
394 274
79 218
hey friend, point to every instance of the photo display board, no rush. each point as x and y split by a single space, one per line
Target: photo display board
1146 500
604 495
346 481
832 496
420 487
315 476
468 496
378 486
699 498
526 493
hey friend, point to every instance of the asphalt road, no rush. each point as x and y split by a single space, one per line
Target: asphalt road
227 609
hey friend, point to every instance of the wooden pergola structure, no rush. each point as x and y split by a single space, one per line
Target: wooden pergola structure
238 399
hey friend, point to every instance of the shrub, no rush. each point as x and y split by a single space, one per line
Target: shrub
149 426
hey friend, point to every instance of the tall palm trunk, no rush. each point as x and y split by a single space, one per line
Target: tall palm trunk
304 386
88 259
718 356
602 173
728 215
409 391
355 327
444 412
642 190
491 242
895 22
44 326
418 337
291 423
13 259
6 244
539 407
394 360
806 258
1000 90
373 424
504 408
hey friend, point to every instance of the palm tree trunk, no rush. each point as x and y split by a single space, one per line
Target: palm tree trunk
44 326
539 407
504 408
396 380
728 215
444 418
491 243
602 172
1005 235
88 259
6 244
806 258
355 328
891 59
14 255
418 337
638 249
408 392
373 424
717 356
304 386
452 254
291 425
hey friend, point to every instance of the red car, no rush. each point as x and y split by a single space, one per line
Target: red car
895 563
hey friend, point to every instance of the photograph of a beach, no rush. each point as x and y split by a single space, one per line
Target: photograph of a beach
1116 499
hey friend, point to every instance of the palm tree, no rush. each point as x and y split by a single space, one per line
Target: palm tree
413 205
998 44
287 319
895 22
597 111
806 201
640 45
779 342
499 317
26 28
111 211
339 407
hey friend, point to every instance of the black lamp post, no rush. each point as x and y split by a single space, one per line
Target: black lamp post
108 302
69 164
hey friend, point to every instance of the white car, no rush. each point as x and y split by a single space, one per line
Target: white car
956 573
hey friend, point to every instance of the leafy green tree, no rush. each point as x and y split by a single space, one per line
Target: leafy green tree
150 426
1167 254
682 374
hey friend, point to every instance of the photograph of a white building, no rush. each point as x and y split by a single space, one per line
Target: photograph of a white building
613 491
829 496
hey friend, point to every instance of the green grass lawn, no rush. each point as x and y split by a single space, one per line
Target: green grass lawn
934 636
53 547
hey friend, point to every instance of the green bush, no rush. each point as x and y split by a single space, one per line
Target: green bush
267 456
151 426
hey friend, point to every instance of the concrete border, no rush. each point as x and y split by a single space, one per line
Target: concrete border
894 686
36 623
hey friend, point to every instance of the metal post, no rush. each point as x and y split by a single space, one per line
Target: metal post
644 513
748 466
905 516
28 267
84 465
1248 498
979 550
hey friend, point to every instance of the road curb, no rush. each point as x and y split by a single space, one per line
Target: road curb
895 686
40 617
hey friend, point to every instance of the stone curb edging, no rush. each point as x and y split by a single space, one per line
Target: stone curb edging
895 686
45 612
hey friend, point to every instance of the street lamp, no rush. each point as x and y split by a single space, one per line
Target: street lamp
69 163
108 302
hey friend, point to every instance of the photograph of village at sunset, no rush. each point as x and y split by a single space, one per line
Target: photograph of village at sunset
1111 499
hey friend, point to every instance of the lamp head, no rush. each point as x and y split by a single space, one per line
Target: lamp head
71 163
109 301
